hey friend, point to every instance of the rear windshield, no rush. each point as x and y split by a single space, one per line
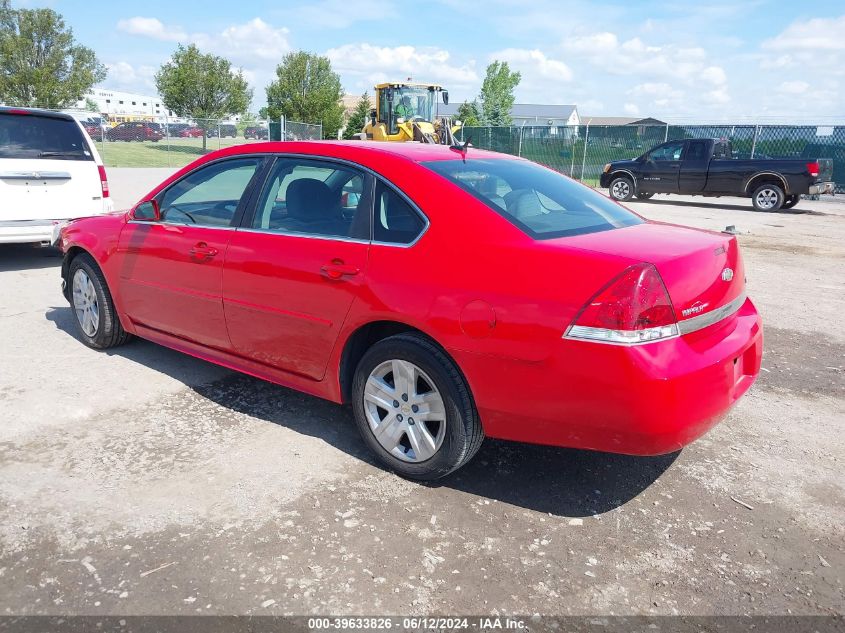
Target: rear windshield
541 202
33 136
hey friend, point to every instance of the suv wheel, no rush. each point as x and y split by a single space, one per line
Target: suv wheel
767 197
621 189
413 408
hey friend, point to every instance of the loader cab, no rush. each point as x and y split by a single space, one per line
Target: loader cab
408 102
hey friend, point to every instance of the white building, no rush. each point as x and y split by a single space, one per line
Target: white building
117 103
124 106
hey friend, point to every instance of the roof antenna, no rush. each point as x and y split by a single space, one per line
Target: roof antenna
462 148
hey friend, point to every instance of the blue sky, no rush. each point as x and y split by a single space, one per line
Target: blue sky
748 59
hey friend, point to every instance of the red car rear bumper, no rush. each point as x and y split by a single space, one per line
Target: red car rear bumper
642 400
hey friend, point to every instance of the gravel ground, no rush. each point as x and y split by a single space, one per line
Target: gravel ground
141 481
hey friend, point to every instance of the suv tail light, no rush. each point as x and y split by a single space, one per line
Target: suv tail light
634 308
813 168
104 182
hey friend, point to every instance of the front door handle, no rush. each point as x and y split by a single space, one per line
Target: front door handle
202 252
336 269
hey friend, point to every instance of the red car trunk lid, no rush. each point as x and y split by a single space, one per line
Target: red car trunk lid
702 270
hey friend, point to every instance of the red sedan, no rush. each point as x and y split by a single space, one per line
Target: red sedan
447 296
191 132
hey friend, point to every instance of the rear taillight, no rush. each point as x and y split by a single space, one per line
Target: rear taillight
104 182
632 309
813 168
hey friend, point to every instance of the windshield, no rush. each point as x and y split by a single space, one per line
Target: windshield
410 103
541 202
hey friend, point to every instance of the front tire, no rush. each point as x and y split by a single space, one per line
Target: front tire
621 189
767 197
414 409
92 305
791 201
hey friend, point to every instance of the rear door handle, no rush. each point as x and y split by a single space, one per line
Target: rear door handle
336 269
203 252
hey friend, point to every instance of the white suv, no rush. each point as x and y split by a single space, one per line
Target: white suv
50 172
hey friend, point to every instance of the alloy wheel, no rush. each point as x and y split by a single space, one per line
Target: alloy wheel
85 303
767 198
621 189
405 411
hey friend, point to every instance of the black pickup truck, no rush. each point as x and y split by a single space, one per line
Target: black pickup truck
706 167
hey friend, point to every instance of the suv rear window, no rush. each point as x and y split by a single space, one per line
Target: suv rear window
33 136
541 202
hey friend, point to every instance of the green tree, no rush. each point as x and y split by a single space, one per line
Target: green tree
468 114
91 105
358 118
497 93
202 87
306 89
41 64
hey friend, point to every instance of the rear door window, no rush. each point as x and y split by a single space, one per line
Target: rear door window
541 202
41 137
315 198
395 221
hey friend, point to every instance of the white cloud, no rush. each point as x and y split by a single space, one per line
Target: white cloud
122 74
817 34
534 62
256 38
631 108
151 27
634 57
368 64
240 43
793 87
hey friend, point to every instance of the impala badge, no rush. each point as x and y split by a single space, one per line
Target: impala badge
727 274
695 308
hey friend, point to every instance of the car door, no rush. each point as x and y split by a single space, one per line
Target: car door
661 167
693 174
294 268
171 272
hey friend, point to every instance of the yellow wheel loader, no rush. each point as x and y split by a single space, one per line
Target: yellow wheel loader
408 112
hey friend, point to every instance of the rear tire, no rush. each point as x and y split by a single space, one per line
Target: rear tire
767 197
621 189
447 431
791 201
93 308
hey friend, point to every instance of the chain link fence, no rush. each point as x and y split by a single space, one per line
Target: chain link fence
582 151
133 140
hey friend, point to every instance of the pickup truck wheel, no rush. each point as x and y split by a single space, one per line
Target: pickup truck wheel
791 201
642 195
621 189
767 197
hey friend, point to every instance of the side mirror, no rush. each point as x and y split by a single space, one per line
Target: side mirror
373 117
147 212
445 97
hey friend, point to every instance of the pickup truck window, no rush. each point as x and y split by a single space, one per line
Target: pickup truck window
697 150
670 151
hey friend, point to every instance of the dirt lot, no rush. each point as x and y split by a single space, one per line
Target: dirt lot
142 481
